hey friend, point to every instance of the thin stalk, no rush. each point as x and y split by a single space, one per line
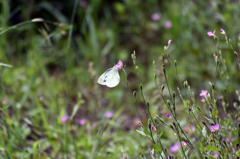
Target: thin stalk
67 68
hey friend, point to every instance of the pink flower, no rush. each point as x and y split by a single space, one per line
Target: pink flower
39 96
167 24
202 99
227 139
192 127
155 16
185 128
83 3
215 154
119 65
169 42
64 118
210 33
82 121
162 112
214 128
223 32
108 114
4 101
203 93
139 122
174 148
184 144
168 115
153 127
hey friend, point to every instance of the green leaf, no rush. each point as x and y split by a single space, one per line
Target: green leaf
209 120
75 109
235 142
201 148
214 113
157 148
212 148
35 148
225 155
161 133
204 131
141 132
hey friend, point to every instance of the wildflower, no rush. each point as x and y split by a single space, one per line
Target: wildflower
185 128
108 114
168 115
119 65
211 33
139 122
153 127
82 121
184 144
215 154
174 148
169 42
155 16
227 139
83 3
64 118
223 32
203 93
192 127
162 112
4 101
214 128
167 24
202 99
39 96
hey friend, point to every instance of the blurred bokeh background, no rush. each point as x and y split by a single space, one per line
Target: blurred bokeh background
49 78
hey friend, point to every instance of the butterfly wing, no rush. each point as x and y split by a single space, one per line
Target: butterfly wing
110 78
102 79
113 79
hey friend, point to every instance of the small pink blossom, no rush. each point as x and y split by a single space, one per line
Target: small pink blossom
39 96
4 101
153 127
215 154
192 127
211 33
227 139
64 118
139 122
185 128
162 112
174 148
167 24
155 16
202 99
184 144
168 115
223 32
108 114
82 121
214 128
203 93
169 42
119 65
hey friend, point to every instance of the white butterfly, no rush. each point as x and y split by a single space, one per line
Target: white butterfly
111 77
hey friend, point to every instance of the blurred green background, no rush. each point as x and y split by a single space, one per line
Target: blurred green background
103 33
